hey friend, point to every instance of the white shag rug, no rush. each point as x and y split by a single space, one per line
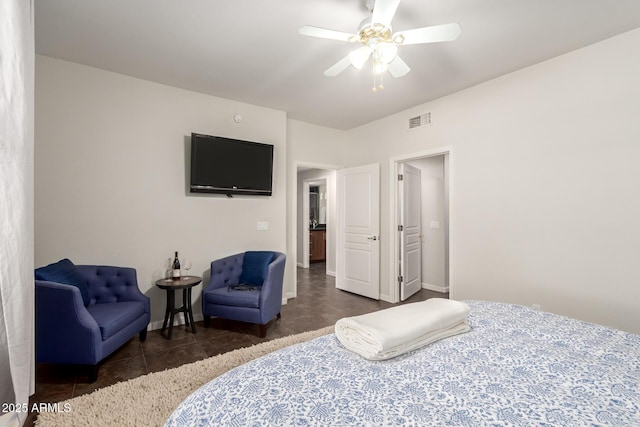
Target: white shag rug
150 399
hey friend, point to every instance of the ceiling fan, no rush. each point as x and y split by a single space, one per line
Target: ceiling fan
378 42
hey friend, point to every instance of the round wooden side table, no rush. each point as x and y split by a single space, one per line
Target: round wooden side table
186 283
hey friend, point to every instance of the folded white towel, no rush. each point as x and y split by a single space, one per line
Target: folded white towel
394 331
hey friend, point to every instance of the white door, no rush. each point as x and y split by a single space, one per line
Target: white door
410 231
358 249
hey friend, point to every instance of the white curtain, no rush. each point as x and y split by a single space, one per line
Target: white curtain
17 57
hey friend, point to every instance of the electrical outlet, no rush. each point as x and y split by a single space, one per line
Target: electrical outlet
262 226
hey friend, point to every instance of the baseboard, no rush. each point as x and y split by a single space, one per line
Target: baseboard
435 288
177 320
301 265
331 273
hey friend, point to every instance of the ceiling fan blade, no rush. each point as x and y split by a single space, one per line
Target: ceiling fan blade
398 68
338 67
383 12
437 33
324 33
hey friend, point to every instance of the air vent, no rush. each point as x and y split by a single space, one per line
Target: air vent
421 120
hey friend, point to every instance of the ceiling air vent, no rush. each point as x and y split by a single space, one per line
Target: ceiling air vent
421 120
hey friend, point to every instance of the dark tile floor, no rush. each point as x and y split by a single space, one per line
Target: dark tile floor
317 305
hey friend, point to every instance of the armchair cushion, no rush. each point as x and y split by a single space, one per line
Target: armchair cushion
64 271
254 267
231 297
115 316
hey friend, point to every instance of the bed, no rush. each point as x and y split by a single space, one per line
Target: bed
517 366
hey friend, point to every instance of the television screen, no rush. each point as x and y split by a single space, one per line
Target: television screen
230 166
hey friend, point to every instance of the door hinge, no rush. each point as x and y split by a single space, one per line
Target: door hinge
400 177
400 279
400 228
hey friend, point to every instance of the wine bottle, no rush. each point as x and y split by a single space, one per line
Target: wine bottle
175 273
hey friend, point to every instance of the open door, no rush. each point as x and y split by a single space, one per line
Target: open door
410 230
358 248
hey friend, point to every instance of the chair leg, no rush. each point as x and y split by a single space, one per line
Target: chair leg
263 328
207 321
143 334
92 372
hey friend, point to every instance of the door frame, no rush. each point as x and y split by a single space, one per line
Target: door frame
306 192
395 216
293 225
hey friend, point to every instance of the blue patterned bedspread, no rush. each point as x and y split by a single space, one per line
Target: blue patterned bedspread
517 367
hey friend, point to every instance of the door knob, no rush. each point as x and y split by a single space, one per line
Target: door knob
372 238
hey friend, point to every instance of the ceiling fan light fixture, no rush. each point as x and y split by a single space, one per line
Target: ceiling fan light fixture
359 56
386 52
379 67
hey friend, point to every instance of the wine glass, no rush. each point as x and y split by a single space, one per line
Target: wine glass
169 268
186 264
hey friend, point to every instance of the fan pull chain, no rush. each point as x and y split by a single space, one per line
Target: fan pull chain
375 85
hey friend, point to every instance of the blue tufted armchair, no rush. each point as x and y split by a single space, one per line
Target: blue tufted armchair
245 287
86 312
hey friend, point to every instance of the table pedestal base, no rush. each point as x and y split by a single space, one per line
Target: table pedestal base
186 284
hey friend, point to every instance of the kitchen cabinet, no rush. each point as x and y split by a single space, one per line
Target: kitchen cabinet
317 245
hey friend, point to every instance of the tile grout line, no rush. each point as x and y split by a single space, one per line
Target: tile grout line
144 358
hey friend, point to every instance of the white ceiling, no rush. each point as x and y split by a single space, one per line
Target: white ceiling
250 50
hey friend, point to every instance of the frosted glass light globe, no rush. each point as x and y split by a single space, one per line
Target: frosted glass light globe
386 52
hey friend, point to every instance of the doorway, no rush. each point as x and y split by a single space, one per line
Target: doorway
317 221
315 218
434 269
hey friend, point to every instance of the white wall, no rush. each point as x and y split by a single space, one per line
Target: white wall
316 146
111 175
545 183
312 146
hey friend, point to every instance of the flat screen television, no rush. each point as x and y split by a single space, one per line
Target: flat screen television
230 166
